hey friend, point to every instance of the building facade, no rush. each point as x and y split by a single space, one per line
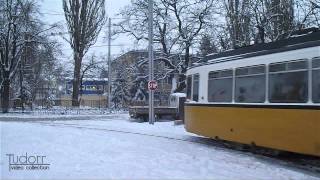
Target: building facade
93 93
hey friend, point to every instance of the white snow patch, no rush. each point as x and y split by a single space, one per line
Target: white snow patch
179 94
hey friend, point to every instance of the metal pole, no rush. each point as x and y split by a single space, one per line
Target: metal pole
109 64
151 92
22 64
21 84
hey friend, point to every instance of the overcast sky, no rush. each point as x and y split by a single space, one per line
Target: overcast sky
53 13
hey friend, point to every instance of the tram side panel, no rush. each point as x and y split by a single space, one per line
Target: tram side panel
295 130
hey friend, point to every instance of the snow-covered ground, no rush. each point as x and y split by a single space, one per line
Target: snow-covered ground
113 147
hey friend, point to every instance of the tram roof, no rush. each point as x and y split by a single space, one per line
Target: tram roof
299 40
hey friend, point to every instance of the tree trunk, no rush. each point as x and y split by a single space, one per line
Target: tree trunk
76 81
182 76
5 93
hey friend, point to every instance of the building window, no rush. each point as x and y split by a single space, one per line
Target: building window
91 88
189 85
195 88
250 84
316 80
220 86
288 82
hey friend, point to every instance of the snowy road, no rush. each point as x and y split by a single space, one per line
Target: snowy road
116 148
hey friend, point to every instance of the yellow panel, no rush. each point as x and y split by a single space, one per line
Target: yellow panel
295 130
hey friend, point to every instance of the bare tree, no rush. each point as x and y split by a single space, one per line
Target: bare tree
88 68
14 23
207 45
307 13
135 24
85 18
272 19
11 44
41 68
238 21
177 25
191 18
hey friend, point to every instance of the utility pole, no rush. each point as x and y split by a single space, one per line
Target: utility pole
150 36
22 63
109 64
21 83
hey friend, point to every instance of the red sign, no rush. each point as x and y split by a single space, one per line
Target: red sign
152 85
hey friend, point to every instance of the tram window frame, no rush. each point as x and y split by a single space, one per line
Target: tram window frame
195 88
316 63
290 69
256 73
219 75
189 87
315 81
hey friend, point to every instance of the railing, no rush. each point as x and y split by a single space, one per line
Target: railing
66 111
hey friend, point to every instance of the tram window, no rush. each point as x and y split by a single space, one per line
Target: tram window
251 88
258 69
189 81
316 81
250 70
289 66
220 88
316 86
297 65
195 89
242 71
277 67
214 74
288 87
226 73
316 63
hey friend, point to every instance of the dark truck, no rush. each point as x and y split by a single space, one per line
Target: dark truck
175 109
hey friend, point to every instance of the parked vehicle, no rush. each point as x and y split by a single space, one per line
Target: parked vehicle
175 109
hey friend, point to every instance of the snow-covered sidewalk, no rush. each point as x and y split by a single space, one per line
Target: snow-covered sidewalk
117 148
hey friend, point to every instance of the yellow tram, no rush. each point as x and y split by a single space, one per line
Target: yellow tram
267 95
